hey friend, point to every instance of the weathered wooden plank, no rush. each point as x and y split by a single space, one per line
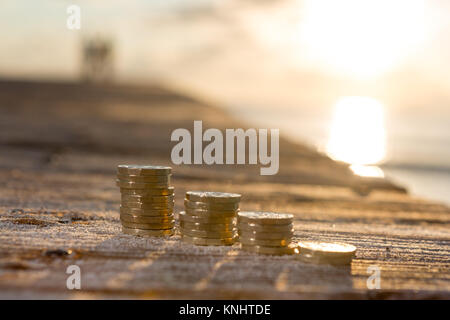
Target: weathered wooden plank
59 147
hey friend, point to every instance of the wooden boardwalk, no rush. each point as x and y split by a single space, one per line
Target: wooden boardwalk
60 144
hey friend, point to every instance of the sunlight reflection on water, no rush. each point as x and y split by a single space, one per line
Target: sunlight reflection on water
358 135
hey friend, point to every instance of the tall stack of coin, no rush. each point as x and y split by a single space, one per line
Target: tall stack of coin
266 232
209 218
147 200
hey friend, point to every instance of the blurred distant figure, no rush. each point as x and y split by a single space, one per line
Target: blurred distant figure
97 60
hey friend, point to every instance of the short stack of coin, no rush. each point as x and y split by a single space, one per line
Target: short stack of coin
266 232
209 218
147 200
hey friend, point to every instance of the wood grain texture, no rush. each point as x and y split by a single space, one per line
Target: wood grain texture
60 144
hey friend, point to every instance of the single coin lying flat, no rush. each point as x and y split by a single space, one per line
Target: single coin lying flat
325 252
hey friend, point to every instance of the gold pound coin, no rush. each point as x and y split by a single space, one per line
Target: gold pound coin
256 227
208 226
208 242
134 169
148 233
183 216
211 206
144 179
277 251
265 217
214 197
210 213
148 206
149 226
208 234
146 212
264 242
325 252
140 219
148 192
141 185
147 199
266 235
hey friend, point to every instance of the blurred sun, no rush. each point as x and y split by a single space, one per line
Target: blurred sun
361 37
357 134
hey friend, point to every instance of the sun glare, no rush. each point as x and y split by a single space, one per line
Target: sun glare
361 37
367 171
357 134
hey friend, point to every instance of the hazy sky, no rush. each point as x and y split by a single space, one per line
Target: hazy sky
283 45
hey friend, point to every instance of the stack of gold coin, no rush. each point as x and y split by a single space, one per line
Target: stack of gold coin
266 232
147 200
209 218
